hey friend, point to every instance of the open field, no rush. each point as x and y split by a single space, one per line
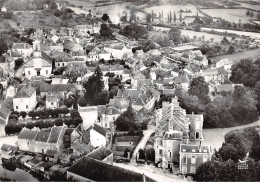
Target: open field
253 35
254 54
167 8
232 15
251 6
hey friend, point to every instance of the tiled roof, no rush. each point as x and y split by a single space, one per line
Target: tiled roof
51 98
100 153
42 136
27 134
25 92
102 172
99 129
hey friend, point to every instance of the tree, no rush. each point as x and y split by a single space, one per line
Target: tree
3 46
251 14
58 122
247 13
123 18
105 31
174 16
148 18
134 31
200 88
82 102
257 92
150 154
30 125
225 40
69 102
175 35
53 5
255 149
74 113
76 121
141 154
23 114
231 49
105 17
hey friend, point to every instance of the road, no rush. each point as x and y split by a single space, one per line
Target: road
216 136
151 171
147 134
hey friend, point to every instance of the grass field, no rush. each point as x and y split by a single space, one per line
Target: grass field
232 15
254 54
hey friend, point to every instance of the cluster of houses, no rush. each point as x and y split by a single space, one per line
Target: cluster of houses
145 76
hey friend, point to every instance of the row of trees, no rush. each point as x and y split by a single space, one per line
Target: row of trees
46 113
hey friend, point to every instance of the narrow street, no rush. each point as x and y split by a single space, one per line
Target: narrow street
147 134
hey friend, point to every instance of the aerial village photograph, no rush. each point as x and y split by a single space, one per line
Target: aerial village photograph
130 91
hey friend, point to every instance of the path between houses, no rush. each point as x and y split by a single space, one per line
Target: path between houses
147 134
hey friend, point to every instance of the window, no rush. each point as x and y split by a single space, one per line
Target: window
51 103
205 158
16 107
185 160
193 159
197 135
170 154
29 72
192 170
160 151
46 72
58 64
26 106
62 64
113 118
184 169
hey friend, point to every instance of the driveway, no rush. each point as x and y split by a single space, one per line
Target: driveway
147 134
158 174
216 136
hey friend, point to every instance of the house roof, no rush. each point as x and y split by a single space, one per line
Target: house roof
42 136
181 79
187 148
185 55
199 58
21 46
102 172
51 153
27 134
51 98
7 148
99 129
55 134
184 48
57 87
111 110
134 139
100 153
25 92
119 103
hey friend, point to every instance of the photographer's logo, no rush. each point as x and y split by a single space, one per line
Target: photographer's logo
242 164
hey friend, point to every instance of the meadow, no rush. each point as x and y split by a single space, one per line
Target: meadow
232 15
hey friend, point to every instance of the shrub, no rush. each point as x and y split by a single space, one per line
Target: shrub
58 122
23 114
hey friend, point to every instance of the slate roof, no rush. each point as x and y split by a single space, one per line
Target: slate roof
199 58
195 149
51 153
111 110
99 129
42 136
25 92
102 172
51 98
57 87
54 135
27 134
100 153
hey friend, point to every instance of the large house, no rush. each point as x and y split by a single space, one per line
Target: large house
108 116
117 50
41 141
25 99
37 66
23 48
219 75
174 129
